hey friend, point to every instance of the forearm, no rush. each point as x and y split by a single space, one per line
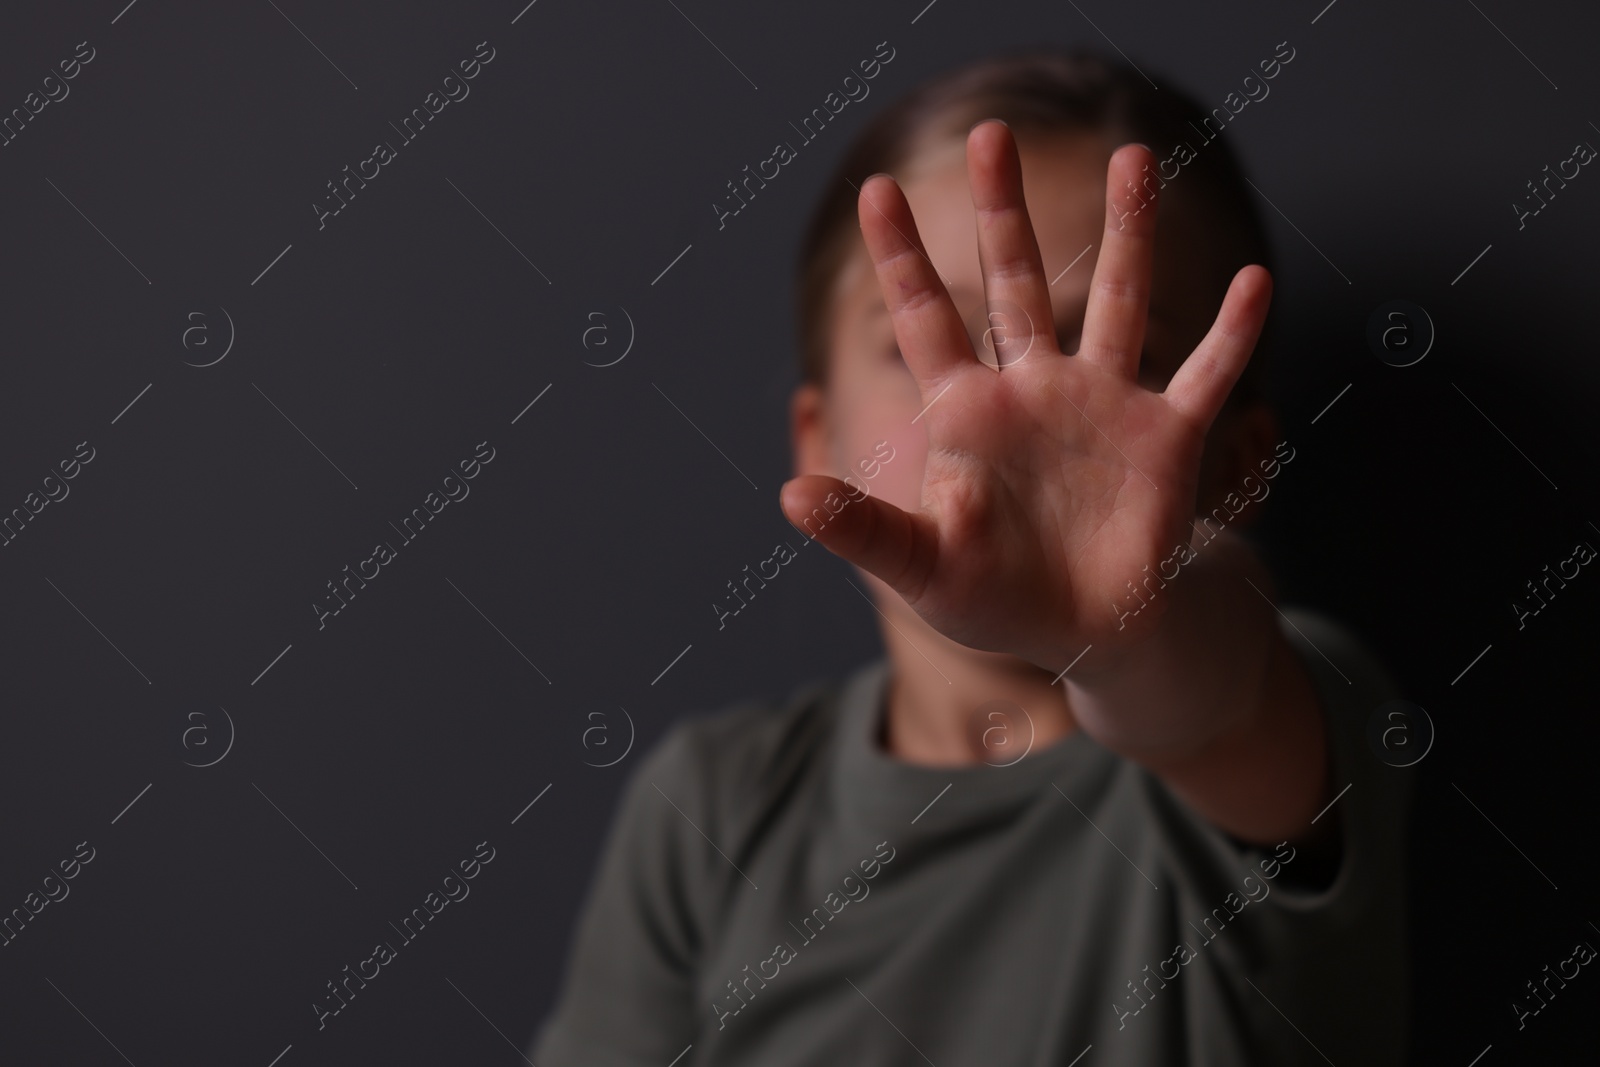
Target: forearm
1214 701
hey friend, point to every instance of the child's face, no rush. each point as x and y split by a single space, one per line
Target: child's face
872 396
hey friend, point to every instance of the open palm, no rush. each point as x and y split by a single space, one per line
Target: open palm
1053 483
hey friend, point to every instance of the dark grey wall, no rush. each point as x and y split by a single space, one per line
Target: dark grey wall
164 208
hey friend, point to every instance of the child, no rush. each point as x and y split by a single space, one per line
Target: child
1102 798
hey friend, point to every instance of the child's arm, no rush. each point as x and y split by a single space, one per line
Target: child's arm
627 988
1216 702
1053 484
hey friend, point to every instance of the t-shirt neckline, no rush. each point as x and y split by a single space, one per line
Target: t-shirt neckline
876 785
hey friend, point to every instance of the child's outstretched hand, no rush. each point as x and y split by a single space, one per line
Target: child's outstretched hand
1053 483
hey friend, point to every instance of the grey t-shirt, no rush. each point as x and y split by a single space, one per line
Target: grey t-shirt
777 890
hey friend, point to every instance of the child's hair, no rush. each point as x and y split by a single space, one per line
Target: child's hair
1081 91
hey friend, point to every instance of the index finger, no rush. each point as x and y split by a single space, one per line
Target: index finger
933 340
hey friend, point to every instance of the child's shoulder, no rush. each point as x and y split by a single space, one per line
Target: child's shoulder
1344 667
754 746
755 735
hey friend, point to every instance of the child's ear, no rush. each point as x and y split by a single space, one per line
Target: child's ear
808 430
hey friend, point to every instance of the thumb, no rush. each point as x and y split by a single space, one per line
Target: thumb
896 546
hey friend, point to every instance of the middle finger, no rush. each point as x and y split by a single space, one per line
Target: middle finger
1008 250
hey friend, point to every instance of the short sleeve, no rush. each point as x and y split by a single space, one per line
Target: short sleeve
1323 954
626 991
1372 798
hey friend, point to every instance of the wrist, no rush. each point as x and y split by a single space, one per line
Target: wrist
1191 675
